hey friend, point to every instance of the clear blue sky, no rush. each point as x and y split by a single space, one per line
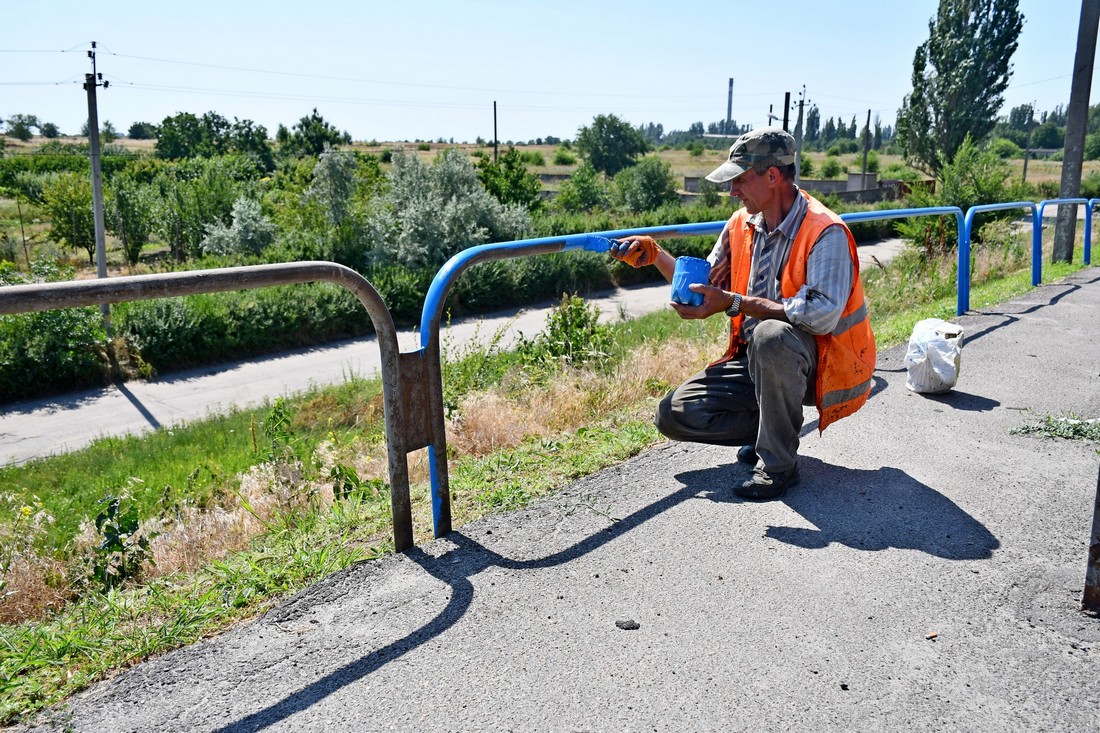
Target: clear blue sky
429 69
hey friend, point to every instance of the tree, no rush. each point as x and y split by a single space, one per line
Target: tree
430 212
49 130
110 134
610 144
20 126
179 136
507 179
130 215
334 184
1048 135
187 136
68 200
251 139
813 124
250 234
309 136
645 186
959 76
583 191
142 131
1019 117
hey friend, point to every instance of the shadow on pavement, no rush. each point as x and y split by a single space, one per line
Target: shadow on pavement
870 510
455 568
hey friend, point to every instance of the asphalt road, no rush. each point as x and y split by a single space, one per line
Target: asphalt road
925 576
59 424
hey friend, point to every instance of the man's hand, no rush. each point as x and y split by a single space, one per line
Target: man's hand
637 251
715 300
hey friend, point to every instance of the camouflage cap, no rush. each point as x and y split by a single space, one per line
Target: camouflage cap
765 146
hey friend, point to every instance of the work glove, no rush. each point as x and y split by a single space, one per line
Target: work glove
637 251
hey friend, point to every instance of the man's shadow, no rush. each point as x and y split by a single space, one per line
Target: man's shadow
868 510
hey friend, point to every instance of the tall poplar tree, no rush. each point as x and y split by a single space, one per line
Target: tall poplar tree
959 77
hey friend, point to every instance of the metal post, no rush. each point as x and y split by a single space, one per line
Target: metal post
1091 599
729 110
495 141
798 140
786 112
866 147
1030 130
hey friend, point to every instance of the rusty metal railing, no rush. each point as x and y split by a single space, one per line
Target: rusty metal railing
405 401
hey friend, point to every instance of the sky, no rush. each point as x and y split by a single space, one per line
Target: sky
432 69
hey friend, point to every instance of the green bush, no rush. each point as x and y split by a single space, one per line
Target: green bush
50 352
532 157
644 186
177 333
584 191
564 157
1090 186
1003 148
830 168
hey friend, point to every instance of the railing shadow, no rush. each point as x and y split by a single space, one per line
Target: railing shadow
869 510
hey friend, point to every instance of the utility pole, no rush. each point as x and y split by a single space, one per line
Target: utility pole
91 81
495 141
1030 129
866 147
1076 123
729 110
798 139
786 112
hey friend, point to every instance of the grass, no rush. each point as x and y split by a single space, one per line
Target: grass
241 511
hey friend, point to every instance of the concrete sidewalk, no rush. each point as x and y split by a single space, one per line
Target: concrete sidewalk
926 575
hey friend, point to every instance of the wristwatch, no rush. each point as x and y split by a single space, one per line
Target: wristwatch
735 308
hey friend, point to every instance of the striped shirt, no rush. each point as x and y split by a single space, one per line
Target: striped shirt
817 306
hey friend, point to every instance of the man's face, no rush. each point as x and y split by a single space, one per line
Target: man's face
752 189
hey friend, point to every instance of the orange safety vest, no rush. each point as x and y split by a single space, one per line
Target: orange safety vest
845 357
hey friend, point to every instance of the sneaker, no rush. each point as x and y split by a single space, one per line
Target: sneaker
764 485
747 454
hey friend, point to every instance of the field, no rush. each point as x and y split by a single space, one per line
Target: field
23 233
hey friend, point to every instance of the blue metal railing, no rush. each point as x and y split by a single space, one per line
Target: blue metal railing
432 314
964 247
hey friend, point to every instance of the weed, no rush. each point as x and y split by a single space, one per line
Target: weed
122 548
573 336
1069 427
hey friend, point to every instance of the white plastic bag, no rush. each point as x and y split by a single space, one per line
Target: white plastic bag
935 351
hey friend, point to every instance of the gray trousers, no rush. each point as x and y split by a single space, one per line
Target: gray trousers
756 398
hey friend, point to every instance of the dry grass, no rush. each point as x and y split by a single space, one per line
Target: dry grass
32 587
503 417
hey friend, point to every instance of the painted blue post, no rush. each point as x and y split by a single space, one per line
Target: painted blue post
1088 230
1036 238
962 286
